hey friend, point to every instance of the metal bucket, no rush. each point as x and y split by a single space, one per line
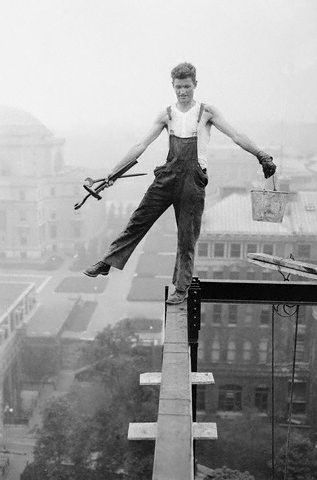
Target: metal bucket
268 205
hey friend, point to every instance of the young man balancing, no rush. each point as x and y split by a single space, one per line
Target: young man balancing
180 182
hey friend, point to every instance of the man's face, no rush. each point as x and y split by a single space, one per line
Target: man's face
184 89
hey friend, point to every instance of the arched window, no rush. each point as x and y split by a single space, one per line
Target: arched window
247 350
215 351
231 351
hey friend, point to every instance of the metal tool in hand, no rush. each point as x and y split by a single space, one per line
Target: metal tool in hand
104 183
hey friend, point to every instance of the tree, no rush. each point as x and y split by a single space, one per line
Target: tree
88 441
302 460
225 473
244 443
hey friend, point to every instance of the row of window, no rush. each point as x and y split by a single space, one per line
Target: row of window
230 313
229 355
248 352
76 226
241 274
241 250
230 398
220 313
232 250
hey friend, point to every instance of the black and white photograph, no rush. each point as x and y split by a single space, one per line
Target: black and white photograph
158 240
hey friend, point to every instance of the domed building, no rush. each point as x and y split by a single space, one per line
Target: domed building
38 191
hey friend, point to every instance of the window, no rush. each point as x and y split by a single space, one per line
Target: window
235 250
53 231
21 195
23 240
251 248
53 215
203 316
230 398
261 398
219 250
250 275
218 275
248 314
232 314
202 273
22 216
299 396
247 350
202 249
201 351
234 275
263 351
215 351
303 251
265 315
301 315
300 348
231 351
52 191
267 275
268 248
217 311
201 398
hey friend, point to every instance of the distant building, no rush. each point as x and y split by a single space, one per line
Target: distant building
37 193
235 340
17 302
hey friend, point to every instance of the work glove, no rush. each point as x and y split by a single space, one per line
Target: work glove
268 166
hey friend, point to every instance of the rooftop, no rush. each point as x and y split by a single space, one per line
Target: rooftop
303 214
233 215
49 318
10 292
16 122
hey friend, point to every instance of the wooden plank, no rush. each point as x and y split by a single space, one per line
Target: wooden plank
148 431
197 378
142 431
205 431
286 265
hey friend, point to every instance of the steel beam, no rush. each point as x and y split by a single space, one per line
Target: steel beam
253 292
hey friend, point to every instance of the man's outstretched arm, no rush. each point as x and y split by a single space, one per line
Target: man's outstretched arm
242 140
136 151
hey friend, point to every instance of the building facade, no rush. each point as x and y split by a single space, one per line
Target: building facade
17 302
37 193
236 340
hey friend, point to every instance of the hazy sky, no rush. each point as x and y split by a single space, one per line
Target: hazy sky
80 62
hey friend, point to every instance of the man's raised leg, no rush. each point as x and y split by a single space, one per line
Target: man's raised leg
154 203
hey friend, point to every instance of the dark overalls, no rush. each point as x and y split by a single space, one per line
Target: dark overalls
179 182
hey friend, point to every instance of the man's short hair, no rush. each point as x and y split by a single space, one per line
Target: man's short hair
184 70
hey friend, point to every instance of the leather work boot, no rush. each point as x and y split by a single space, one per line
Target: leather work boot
176 297
99 268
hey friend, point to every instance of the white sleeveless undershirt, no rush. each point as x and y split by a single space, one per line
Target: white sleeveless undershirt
184 125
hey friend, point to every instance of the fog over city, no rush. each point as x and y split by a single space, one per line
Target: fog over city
88 305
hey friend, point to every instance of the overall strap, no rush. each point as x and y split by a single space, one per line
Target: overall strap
201 111
169 112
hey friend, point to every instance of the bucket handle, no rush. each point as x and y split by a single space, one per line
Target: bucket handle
274 186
